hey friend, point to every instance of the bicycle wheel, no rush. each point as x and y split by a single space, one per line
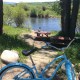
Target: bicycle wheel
16 72
70 72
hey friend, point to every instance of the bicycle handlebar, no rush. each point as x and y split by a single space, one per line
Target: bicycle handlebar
62 49
77 37
28 52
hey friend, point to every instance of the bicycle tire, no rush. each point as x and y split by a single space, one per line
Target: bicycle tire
70 72
16 72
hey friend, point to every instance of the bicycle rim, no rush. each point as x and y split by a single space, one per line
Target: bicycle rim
16 73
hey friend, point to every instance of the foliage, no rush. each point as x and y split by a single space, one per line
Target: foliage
23 6
14 14
17 13
43 8
33 13
46 13
19 16
40 13
56 7
7 17
32 8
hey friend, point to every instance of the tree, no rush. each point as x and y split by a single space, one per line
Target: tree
43 8
19 16
1 17
8 13
56 7
74 18
65 16
68 17
33 13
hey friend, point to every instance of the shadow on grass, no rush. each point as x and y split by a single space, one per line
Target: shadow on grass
12 42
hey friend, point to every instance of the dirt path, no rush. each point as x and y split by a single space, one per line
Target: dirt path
42 57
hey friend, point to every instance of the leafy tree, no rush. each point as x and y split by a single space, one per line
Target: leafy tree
33 13
46 13
40 14
43 8
7 18
19 16
56 7
24 6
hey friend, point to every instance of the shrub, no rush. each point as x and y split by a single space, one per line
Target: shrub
73 52
33 13
40 14
19 16
43 8
46 13
7 17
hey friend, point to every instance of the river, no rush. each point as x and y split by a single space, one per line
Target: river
46 24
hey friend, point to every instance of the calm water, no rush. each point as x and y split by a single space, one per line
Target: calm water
46 24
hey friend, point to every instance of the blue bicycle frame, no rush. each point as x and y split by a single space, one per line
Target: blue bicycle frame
41 75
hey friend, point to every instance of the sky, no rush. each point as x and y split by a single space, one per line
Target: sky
17 1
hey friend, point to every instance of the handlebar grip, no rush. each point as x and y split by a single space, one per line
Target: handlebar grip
77 37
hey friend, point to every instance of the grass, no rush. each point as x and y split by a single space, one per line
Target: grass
10 41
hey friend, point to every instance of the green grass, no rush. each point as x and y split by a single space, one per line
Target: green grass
9 40
9 30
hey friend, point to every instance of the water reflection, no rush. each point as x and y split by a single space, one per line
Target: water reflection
46 24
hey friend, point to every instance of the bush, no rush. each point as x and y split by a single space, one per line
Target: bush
19 17
56 7
46 13
73 52
40 14
43 8
33 13
7 17
23 6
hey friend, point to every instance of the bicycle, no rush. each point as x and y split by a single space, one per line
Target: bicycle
20 71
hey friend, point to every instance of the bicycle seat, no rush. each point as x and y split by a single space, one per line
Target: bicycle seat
28 52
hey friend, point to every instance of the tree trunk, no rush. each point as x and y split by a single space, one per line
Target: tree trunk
1 17
74 17
65 16
62 15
